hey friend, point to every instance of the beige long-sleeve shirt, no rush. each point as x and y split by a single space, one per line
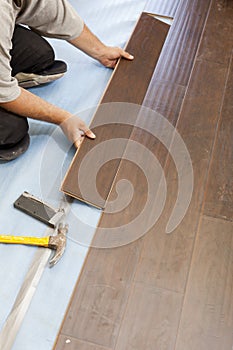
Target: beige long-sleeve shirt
51 18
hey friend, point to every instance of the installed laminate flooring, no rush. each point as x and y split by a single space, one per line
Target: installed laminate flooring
207 315
172 292
219 193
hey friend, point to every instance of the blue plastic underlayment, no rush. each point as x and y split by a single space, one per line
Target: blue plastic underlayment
40 171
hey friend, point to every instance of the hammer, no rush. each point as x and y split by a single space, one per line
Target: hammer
57 242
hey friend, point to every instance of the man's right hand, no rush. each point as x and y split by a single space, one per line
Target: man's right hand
75 129
32 106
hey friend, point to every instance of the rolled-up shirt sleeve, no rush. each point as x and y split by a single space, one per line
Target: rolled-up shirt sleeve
56 19
9 89
50 18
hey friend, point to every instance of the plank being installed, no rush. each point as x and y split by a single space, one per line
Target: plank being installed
128 84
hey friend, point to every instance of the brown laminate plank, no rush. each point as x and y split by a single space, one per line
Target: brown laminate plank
219 193
151 319
178 55
169 82
69 343
217 40
128 84
166 99
207 317
98 303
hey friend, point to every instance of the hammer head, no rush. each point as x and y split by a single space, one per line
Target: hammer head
58 243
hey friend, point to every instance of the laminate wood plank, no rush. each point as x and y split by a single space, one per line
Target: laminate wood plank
217 41
98 304
165 258
219 192
170 79
166 99
165 94
178 55
151 319
207 317
128 84
69 343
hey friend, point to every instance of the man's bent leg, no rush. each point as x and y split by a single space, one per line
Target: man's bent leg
14 138
33 62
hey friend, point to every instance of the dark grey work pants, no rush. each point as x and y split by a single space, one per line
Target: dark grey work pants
30 54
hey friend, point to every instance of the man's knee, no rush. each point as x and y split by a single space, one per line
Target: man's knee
14 137
13 128
30 52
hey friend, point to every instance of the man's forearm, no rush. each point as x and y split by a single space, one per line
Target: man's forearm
88 43
32 106
92 46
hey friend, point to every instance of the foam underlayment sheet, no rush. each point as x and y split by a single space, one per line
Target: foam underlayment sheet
40 171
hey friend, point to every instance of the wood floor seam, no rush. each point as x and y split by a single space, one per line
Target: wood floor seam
217 218
213 61
128 298
187 280
199 238
85 342
146 284
194 61
123 315
217 129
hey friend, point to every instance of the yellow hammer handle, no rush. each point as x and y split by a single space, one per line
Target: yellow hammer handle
42 242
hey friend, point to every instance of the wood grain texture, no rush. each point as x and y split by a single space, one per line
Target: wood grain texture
217 41
165 98
165 259
97 307
177 58
219 193
146 307
69 343
151 319
207 317
128 84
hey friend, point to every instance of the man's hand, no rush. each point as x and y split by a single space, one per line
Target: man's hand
32 106
75 129
92 46
110 56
